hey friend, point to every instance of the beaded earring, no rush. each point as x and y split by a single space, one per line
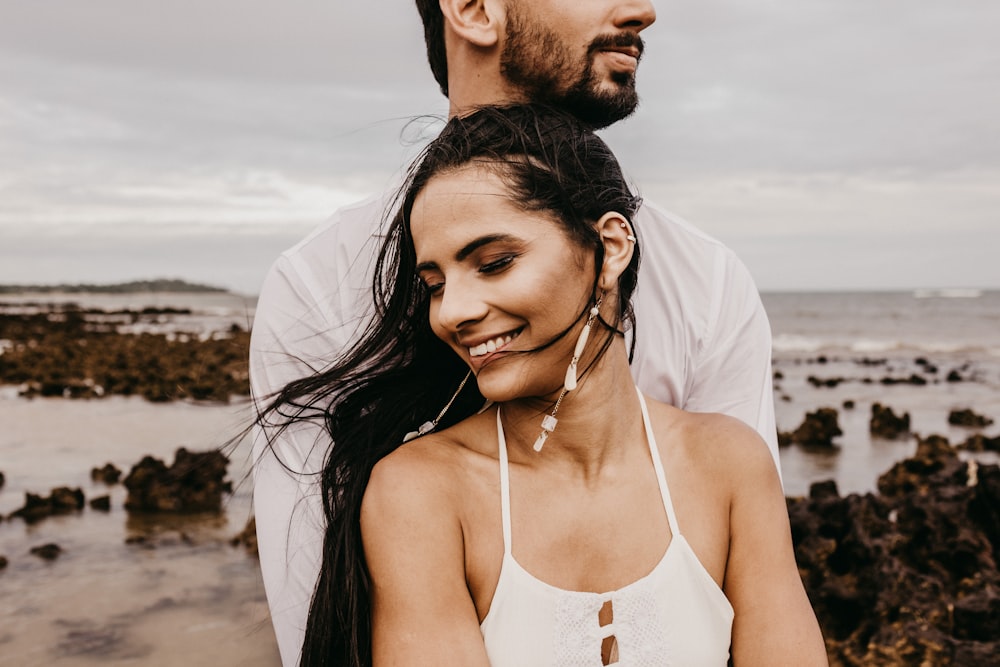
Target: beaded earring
569 383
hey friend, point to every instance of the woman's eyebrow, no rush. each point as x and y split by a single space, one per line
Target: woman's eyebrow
468 249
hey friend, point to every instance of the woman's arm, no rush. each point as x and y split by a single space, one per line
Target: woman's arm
774 623
422 612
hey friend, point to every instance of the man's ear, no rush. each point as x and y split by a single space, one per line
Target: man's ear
475 21
618 238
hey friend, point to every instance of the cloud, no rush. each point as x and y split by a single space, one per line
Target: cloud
765 123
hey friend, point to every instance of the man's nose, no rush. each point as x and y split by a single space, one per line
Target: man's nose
460 306
636 15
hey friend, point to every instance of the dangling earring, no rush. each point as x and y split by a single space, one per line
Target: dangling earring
569 383
427 427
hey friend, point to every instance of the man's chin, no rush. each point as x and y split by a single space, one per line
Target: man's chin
601 108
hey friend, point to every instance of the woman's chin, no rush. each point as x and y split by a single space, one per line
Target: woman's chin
503 391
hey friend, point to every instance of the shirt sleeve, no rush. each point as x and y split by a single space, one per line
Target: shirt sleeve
732 368
284 346
312 305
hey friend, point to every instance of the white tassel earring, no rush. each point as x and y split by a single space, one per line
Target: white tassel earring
427 427
581 342
569 383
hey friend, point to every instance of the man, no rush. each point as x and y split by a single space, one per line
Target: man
703 338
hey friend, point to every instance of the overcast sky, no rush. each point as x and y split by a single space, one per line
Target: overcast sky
832 144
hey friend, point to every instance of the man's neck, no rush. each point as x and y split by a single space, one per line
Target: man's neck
475 81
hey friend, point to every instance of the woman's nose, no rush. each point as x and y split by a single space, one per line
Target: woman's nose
460 306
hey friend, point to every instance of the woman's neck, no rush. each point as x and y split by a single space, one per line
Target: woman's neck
599 422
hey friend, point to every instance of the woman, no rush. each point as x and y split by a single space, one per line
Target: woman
572 521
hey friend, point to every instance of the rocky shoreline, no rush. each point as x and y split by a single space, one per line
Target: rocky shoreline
67 351
194 484
906 574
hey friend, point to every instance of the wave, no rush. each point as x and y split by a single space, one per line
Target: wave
948 293
800 343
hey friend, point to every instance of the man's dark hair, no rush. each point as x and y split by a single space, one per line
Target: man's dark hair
430 14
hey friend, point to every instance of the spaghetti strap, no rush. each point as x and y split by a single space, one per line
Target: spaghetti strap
504 486
661 478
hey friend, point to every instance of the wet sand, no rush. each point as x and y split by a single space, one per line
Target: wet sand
134 589
179 594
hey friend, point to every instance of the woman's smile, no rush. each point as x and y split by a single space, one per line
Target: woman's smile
493 344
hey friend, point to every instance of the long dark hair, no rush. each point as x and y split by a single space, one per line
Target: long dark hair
399 374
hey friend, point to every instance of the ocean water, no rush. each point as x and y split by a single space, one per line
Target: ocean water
188 598
959 322
866 338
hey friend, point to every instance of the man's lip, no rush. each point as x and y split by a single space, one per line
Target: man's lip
621 60
631 51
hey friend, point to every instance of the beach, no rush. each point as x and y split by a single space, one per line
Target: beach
140 588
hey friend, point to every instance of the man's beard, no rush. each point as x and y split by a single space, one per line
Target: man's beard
539 65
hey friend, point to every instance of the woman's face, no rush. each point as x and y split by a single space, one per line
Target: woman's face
502 280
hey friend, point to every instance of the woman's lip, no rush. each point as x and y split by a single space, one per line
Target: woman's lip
482 349
478 362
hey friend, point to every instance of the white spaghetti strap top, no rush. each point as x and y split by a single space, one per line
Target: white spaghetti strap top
675 615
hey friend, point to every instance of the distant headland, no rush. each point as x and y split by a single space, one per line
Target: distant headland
131 287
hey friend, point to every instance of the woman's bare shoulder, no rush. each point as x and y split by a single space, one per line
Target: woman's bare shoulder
437 465
716 445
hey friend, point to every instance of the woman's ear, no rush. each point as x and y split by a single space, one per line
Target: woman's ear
478 22
618 238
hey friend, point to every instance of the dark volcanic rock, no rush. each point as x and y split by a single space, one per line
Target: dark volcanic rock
62 500
2 480
884 423
248 537
101 503
848 404
824 489
824 382
819 428
194 483
908 577
784 438
935 462
980 443
109 474
3 562
914 379
69 352
47 551
968 418
977 616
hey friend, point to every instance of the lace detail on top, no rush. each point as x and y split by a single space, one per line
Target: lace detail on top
636 626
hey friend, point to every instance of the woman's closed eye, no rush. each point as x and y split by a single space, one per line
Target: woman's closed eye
497 265
433 286
434 282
